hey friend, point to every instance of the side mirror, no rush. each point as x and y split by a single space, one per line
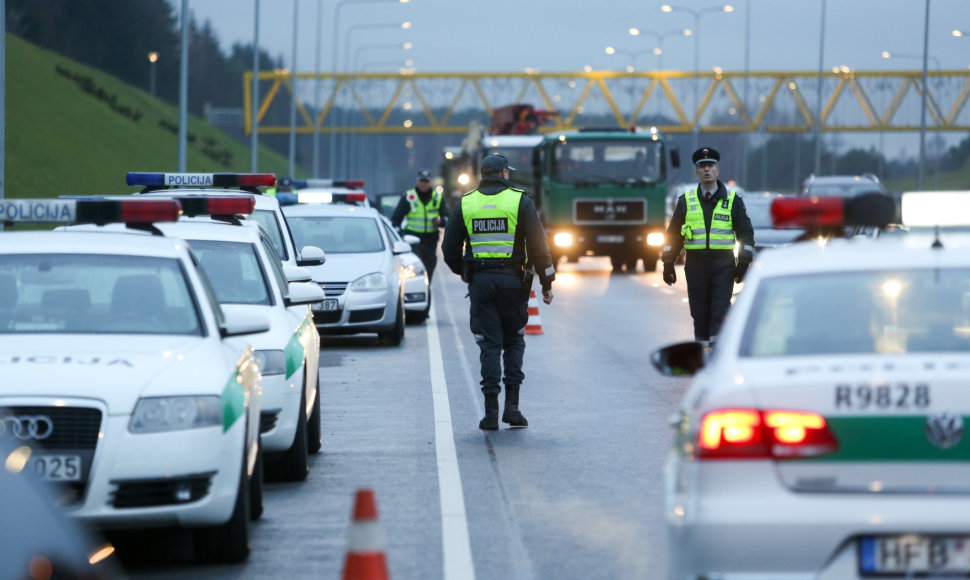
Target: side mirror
241 320
675 158
311 256
411 239
304 293
678 360
297 274
401 247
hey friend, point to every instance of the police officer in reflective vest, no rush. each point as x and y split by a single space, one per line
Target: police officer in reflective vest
423 208
707 222
495 241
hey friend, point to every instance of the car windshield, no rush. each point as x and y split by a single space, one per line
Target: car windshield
234 271
884 312
605 161
82 293
337 234
267 219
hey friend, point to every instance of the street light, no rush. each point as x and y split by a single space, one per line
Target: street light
633 54
659 51
152 59
959 33
697 48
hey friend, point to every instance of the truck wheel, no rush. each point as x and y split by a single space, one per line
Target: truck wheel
649 263
631 265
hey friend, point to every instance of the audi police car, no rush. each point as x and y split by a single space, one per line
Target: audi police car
824 436
124 378
240 262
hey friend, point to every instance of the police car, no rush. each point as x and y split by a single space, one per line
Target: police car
328 191
124 379
824 436
267 210
417 287
364 277
247 276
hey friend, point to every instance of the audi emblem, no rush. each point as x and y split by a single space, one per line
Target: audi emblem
944 430
25 427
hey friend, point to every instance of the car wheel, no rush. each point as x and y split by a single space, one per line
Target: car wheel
256 488
394 336
631 265
314 435
293 464
228 543
414 317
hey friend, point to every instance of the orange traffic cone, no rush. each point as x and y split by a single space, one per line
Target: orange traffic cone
534 325
365 542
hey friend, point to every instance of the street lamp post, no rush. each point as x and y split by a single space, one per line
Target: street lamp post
296 21
152 59
184 88
659 51
697 49
818 95
357 66
254 137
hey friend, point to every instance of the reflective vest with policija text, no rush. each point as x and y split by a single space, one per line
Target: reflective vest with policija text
491 221
421 218
695 231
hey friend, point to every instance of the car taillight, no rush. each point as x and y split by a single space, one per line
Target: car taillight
756 434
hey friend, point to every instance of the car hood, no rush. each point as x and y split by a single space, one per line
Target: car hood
771 238
114 369
348 267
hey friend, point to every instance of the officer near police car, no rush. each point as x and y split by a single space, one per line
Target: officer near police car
495 242
706 223
423 207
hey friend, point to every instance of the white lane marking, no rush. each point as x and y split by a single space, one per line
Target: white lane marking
456 546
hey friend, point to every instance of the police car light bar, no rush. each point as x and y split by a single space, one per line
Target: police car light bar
89 211
348 183
936 208
805 212
216 205
314 197
201 179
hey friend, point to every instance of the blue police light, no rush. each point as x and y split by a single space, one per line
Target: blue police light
286 198
145 179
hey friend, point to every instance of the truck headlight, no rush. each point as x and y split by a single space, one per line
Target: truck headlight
158 414
655 239
370 283
562 239
271 362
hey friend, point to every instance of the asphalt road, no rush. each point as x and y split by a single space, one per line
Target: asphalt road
578 494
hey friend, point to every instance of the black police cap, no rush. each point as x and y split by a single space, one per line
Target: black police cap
424 174
706 155
496 162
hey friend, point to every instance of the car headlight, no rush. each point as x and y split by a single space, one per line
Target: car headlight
157 414
370 283
562 239
412 270
655 239
271 362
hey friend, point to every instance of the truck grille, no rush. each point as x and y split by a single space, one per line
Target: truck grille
610 211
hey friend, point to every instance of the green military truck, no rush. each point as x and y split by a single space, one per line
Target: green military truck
601 192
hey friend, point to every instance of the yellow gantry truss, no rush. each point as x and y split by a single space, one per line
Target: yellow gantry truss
675 102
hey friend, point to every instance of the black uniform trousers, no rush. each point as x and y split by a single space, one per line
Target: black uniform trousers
499 313
710 282
427 250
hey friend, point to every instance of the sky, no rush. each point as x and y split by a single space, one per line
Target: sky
566 35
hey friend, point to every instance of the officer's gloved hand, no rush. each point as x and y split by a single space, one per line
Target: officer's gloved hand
669 275
744 260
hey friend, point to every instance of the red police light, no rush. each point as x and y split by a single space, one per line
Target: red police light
356 197
234 205
349 183
807 212
149 210
257 179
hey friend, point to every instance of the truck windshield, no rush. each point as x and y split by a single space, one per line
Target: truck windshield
607 161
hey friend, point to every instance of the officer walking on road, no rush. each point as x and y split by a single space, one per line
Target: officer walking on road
706 223
495 241
423 207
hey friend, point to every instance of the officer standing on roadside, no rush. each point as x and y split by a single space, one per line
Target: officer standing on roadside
424 209
494 240
706 223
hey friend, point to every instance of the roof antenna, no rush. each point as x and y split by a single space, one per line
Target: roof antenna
936 242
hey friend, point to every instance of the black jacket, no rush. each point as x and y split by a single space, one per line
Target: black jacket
404 208
743 231
530 238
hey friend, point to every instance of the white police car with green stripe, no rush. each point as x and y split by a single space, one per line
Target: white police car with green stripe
132 389
824 436
239 260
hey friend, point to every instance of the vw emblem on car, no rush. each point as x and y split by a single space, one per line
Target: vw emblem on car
944 430
26 427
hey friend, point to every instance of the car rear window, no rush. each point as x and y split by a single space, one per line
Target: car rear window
234 271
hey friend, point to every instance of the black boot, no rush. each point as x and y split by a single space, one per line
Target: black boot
512 415
490 421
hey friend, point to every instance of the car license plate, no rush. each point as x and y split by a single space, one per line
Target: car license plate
609 239
328 305
914 554
56 467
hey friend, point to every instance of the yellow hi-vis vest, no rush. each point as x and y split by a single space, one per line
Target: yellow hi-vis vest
422 216
490 221
694 230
